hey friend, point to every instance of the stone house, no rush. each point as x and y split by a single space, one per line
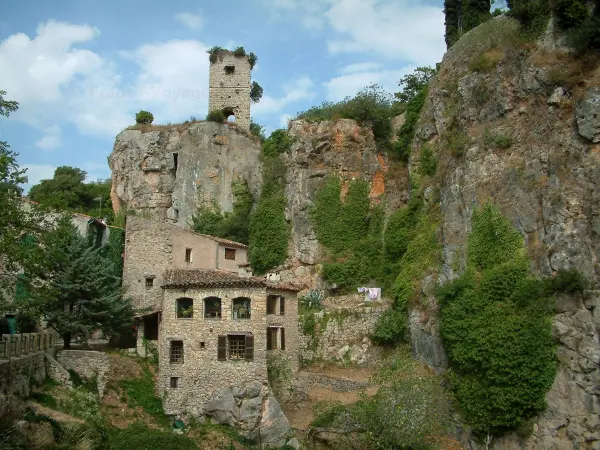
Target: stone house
213 323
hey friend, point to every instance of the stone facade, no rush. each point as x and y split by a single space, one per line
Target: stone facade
201 374
343 335
151 247
229 86
88 365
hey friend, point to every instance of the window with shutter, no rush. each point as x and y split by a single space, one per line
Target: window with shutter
281 306
282 339
249 347
269 339
222 348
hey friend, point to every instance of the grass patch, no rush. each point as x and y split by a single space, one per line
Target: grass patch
138 436
140 392
497 140
486 61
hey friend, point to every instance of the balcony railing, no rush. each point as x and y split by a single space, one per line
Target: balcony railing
15 345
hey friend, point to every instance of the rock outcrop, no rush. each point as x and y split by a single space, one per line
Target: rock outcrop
167 172
253 410
505 135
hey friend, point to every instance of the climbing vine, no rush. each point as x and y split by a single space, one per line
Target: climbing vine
496 326
116 247
269 230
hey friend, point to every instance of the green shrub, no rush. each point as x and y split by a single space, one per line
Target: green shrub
144 117
371 106
532 14
257 130
484 61
391 327
277 143
586 36
213 53
457 142
402 147
427 161
497 140
256 92
140 436
570 13
496 328
216 116
252 58
140 392
239 52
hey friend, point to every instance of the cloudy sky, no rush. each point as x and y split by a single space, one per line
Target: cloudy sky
81 69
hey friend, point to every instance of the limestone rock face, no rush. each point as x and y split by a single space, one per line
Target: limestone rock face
168 172
253 410
546 181
341 148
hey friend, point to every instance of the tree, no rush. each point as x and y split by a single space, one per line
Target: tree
15 221
413 83
144 117
67 190
78 292
462 16
256 92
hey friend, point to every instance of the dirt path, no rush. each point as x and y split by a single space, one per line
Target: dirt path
56 415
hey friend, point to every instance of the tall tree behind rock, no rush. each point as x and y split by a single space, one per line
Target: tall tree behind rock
462 16
78 292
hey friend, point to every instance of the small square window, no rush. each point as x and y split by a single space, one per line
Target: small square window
188 255
149 282
202 344
230 253
229 70
174 382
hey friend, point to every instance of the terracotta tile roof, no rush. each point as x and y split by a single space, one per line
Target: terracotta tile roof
200 278
225 242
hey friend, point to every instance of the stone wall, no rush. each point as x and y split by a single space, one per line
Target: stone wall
87 364
202 375
17 375
56 372
152 246
168 172
230 89
341 335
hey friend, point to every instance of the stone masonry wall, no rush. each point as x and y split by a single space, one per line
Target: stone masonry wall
87 364
201 375
230 90
17 374
341 336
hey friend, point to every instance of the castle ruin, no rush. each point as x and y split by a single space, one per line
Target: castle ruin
229 86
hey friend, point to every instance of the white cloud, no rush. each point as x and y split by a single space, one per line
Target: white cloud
360 67
350 82
52 138
393 29
284 119
298 89
37 172
57 83
192 21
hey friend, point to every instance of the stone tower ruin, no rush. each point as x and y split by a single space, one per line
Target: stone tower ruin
229 86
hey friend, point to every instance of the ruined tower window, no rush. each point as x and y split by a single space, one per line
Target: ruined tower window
185 308
240 308
174 382
230 253
212 308
202 344
275 338
176 353
229 70
175 160
149 282
188 255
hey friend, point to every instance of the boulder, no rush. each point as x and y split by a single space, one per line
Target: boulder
588 115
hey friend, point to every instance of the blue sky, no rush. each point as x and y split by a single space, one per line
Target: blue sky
81 69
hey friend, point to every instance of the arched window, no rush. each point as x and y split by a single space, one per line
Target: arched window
212 308
240 308
185 308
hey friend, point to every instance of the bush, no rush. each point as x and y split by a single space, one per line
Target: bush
239 52
279 142
427 161
216 116
570 13
405 135
391 327
142 437
252 58
587 35
372 106
498 386
498 140
213 53
144 117
257 130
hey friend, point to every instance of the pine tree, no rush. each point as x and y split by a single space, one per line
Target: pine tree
80 293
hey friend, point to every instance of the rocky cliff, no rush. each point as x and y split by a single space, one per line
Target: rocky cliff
167 172
518 124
